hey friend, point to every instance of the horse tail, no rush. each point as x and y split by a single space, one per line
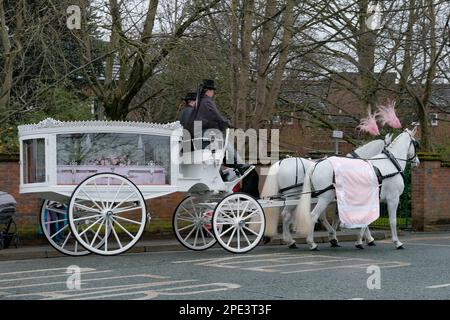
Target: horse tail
303 210
271 188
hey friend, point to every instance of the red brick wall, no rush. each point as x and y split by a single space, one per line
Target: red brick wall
430 198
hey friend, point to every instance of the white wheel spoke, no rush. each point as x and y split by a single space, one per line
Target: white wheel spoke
67 238
188 226
96 233
231 237
121 227
243 211
254 222
185 219
106 235
89 217
129 196
251 214
60 211
209 232
238 237
203 236
82 206
87 229
89 197
225 214
189 234
117 238
246 238
196 236
128 220
117 193
99 196
60 230
250 230
120 210
55 221
226 231
189 213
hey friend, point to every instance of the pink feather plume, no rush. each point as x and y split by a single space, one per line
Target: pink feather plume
386 115
369 125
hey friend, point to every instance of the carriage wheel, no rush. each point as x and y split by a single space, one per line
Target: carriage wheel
113 208
191 223
238 223
54 225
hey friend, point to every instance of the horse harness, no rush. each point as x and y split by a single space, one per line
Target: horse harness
296 176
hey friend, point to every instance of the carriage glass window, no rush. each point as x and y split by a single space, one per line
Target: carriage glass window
142 158
33 161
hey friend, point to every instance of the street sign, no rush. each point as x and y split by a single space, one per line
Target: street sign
338 134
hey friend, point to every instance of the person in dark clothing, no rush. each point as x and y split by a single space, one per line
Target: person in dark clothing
188 108
208 113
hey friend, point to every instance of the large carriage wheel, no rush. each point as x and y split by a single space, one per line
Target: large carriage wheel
238 222
113 208
54 225
191 224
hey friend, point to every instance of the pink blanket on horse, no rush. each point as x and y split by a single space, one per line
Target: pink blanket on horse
357 192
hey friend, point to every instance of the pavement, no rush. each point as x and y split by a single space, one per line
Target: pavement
171 244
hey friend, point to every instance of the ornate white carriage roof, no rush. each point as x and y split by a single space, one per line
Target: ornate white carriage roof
51 123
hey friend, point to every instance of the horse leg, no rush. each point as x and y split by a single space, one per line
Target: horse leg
331 231
369 239
320 207
392 205
359 242
287 221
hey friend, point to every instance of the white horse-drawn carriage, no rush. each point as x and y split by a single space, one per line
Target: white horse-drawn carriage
95 178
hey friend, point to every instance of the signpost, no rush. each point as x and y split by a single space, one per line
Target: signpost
337 135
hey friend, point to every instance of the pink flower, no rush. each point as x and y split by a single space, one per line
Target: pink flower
369 125
386 115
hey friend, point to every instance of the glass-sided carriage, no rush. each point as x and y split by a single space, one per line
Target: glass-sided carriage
94 178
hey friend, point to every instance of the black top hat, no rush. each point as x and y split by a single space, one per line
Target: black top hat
208 84
190 96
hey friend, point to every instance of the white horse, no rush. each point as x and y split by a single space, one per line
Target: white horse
391 163
286 177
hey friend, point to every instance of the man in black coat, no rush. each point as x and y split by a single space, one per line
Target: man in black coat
188 108
208 113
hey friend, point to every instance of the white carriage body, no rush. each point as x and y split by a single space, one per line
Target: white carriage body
56 156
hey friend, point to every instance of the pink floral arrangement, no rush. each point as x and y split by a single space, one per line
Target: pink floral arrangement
386 115
369 125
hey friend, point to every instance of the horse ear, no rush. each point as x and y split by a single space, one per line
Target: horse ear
388 138
414 131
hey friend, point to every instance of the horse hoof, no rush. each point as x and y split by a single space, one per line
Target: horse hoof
266 239
316 248
400 247
372 243
293 246
334 243
359 246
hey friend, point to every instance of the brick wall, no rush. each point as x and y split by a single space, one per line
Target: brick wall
430 198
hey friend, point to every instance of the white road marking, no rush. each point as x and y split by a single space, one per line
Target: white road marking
42 270
427 244
283 261
51 276
439 286
83 281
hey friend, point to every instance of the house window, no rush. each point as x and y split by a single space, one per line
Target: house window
289 119
434 119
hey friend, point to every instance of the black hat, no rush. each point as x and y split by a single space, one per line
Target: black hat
208 84
190 96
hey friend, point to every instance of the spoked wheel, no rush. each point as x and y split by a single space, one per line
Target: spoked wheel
238 223
113 208
55 226
191 224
